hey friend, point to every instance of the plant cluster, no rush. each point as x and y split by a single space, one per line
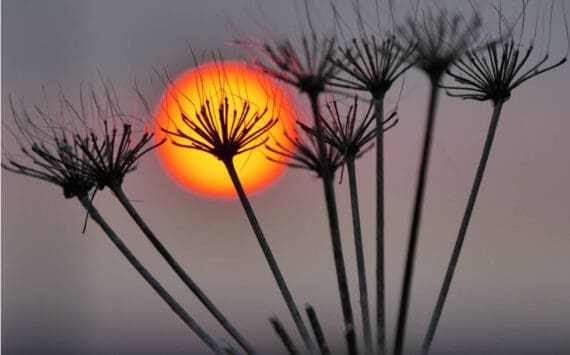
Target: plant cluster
94 145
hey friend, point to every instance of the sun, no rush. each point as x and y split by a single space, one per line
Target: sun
199 171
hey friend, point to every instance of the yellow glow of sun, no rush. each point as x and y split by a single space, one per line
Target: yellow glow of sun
199 171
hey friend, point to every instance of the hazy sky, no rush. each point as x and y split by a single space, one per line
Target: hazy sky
68 293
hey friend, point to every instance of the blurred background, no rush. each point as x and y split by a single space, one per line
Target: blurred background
64 292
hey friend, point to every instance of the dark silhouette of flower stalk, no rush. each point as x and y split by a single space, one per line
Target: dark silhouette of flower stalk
54 157
111 153
225 133
282 333
352 137
373 66
488 75
440 41
317 330
310 70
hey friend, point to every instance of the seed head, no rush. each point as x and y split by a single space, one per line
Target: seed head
350 135
305 153
309 69
494 72
49 152
225 133
440 40
111 154
371 65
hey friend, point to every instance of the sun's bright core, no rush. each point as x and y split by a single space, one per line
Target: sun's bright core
199 171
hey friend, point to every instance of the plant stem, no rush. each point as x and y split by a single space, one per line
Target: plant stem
269 257
119 193
334 230
186 318
380 298
463 228
316 325
282 333
417 213
349 158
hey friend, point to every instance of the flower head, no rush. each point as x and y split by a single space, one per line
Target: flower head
226 132
373 65
49 152
494 72
309 69
110 144
350 135
440 40
305 153
111 154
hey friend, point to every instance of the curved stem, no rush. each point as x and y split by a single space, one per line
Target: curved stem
119 193
380 293
186 318
417 214
462 229
359 253
335 230
269 257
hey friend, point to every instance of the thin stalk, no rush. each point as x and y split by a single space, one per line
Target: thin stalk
316 325
335 231
269 257
282 333
350 166
417 214
186 318
463 228
380 293
119 193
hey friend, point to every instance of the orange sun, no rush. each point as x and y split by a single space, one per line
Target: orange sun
199 171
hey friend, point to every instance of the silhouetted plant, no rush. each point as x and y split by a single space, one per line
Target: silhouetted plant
317 329
491 75
54 156
282 333
305 153
224 134
110 154
351 135
310 70
440 42
373 66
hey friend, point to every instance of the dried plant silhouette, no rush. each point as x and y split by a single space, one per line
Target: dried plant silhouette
490 74
373 65
95 144
440 41
53 154
110 154
224 134
310 70
351 135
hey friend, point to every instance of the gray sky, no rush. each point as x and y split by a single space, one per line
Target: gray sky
68 293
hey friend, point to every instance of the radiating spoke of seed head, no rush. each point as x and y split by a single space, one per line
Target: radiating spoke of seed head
441 39
372 65
304 153
224 133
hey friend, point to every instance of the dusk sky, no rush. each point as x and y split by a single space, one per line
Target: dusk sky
64 292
